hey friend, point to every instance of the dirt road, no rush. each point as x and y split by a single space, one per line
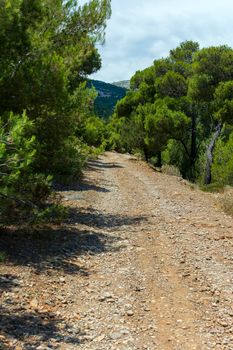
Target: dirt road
144 263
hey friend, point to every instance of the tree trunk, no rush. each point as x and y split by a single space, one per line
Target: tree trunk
146 154
210 150
159 159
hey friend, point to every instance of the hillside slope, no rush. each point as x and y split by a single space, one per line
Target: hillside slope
123 83
108 96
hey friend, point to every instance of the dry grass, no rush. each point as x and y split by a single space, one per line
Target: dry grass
171 170
213 188
226 203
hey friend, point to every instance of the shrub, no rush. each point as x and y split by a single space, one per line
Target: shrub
222 169
21 190
70 160
213 188
174 155
54 213
93 132
139 154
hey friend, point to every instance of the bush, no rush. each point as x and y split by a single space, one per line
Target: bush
200 164
139 154
213 188
54 213
70 161
222 169
174 155
94 131
21 190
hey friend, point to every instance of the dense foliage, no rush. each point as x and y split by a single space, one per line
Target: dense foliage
47 52
178 110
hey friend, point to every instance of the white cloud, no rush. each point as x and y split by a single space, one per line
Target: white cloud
141 31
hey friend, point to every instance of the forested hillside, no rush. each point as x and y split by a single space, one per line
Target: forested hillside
123 83
179 113
107 98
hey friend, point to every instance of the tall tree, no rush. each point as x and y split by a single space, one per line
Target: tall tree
211 67
43 62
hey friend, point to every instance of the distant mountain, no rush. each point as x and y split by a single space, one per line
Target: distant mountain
124 84
108 96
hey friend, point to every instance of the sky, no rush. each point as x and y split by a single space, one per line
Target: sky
141 31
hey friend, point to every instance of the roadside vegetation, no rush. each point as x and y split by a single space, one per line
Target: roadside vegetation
47 122
178 114
226 203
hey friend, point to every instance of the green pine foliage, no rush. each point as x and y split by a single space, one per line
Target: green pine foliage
177 109
48 49
21 189
223 162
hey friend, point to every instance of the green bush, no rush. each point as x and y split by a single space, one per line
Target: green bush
21 189
174 155
200 164
54 213
212 188
94 131
222 169
138 153
69 160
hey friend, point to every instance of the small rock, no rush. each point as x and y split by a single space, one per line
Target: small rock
130 313
105 296
99 338
34 303
147 309
16 282
115 335
222 323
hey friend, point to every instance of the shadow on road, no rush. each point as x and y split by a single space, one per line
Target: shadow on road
51 248
8 282
98 164
81 187
34 328
47 250
93 218
85 185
